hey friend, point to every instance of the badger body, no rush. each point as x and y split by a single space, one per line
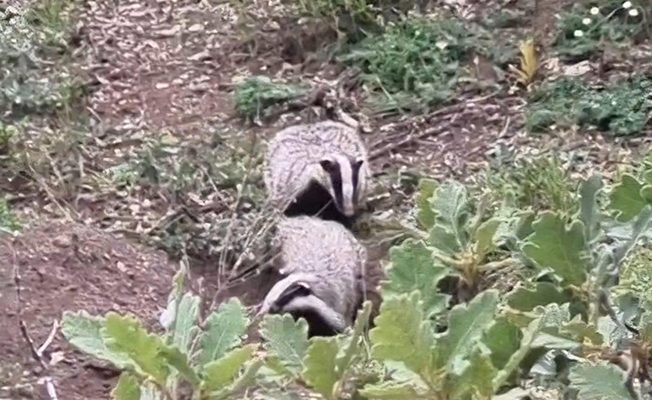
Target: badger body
322 269
317 169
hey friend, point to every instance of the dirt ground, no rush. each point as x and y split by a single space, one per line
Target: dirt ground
64 266
171 68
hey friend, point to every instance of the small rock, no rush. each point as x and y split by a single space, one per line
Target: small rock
271 26
196 28
62 241
162 85
57 357
121 267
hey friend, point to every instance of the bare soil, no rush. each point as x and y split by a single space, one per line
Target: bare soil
64 266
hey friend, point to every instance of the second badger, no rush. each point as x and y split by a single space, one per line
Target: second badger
323 268
317 169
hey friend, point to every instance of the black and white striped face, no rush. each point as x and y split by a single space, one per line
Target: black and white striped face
344 175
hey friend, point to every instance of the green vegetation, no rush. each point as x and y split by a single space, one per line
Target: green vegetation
586 27
416 63
32 77
8 222
256 94
538 182
437 349
619 109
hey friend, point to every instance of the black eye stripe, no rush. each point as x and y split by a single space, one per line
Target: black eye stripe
295 290
355 169
336 180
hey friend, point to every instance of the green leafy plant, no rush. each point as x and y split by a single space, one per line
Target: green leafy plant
211 360
621 109
586 26
32 78
540 183
255 95
8 221
414 64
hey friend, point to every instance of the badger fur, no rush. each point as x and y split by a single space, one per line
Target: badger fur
323 271
317 169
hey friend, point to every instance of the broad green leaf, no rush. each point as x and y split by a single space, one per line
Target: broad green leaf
485 237
559 247
223 331
127 388
502 338
243 382
319 365
466 325
126 335
412 268
288 339
476 379
580 330
589 205
169 315
646 328
529 335
401 332
84 332
179 361
392 391
425 215
543 293
450 206
184 324
598 382
625 198
219 373
354 344
635 277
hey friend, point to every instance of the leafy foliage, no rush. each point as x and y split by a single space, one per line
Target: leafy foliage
415 63
124 341
599 382
32 79
582 33
620 108
8 221
256 94
538 182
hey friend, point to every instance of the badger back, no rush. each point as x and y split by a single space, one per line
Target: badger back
328 154
330 252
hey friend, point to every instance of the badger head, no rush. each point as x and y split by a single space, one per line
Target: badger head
294 295
345 180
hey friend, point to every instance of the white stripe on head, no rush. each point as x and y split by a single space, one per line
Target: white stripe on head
347 185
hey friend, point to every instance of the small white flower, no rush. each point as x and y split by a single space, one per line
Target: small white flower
578 33
586 21
595 11
633 12
441 45
627 5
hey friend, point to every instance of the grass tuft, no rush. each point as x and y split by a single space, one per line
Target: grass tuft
621 109
256 94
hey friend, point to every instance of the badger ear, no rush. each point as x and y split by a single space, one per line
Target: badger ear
327 165
297 289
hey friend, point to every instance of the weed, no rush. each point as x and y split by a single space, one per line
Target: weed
31 78
357 19
621 109
583 28
540 183
8 221
256 94
414 64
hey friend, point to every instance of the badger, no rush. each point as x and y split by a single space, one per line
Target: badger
317 169
322 265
